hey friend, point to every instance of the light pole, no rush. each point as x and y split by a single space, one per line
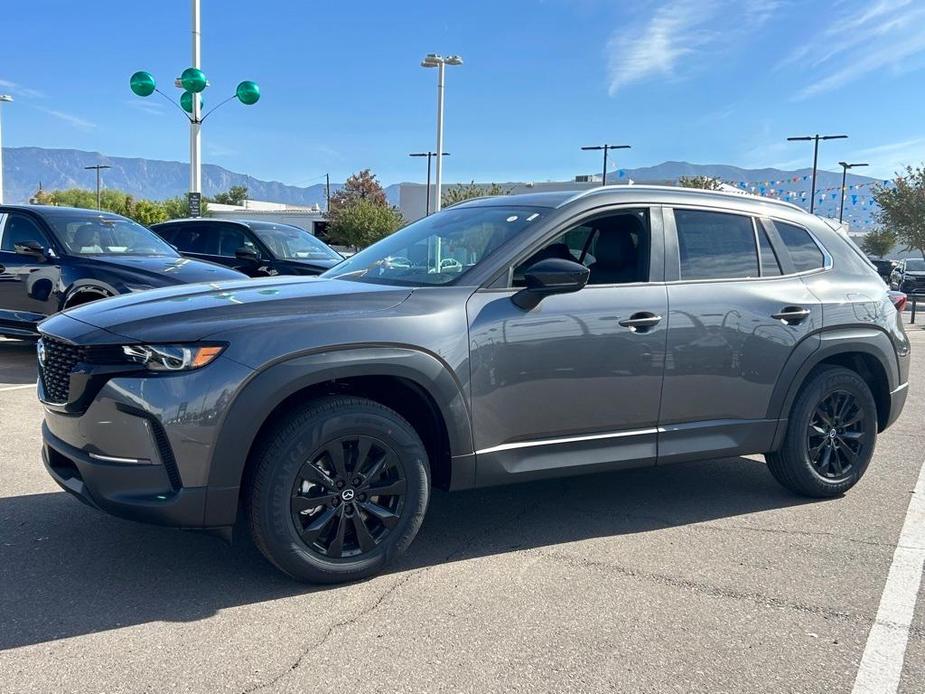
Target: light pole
427 154
193 81
844 176
606 149
439 62
4 99
98 167
815 139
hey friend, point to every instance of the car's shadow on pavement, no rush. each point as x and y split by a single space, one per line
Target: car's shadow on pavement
67 570
17 362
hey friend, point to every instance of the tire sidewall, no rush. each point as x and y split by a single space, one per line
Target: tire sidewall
282 540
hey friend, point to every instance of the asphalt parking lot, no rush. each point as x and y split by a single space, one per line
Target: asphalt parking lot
700 577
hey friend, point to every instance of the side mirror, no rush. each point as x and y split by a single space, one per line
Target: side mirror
247 254
550 276
33 248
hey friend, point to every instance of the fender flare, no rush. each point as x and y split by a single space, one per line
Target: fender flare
829 343
86 284
269 387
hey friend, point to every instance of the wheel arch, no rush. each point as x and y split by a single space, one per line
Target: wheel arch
416 384
86 287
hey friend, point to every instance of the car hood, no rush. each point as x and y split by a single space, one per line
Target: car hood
159 271
914 273
317 265
193 312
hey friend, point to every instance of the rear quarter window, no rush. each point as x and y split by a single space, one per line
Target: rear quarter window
804 251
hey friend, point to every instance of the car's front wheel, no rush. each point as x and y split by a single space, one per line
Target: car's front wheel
338 490
830 435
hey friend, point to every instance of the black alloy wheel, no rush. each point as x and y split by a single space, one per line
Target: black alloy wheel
348 496
835 436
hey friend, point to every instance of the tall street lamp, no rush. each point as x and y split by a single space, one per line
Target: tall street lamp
427 154
193 81
4 99
844 176
439 62
815 139
98 167
606 149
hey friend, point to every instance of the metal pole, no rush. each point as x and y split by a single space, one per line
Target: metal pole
441 72
98 204
841 209
604 175
1 151
195 140
427 208
812 199
327 191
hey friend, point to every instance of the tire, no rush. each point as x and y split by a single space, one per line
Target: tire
832 399
297 503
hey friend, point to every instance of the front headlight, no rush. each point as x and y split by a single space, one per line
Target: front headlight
172 357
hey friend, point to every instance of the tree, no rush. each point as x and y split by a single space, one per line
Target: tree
143 211
902 208
878 242
236 195
362 222
178 207
704 182
467 191
360 186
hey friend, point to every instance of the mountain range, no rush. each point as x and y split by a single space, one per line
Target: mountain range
25 168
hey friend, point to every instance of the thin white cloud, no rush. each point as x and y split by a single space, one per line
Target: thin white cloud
19 90
662 45
887 159
871 37
152 107
69 118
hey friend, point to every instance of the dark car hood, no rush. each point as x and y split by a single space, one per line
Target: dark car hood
311 264
192 312
160 271
914 273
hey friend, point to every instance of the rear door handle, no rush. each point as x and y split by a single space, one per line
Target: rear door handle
791 315
640 321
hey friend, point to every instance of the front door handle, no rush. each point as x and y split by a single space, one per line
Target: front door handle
791 315
641 321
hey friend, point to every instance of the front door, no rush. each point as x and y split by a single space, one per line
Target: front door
738 309
27 282
572 385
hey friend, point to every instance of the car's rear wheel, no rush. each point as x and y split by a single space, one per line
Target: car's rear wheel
338 490
830 436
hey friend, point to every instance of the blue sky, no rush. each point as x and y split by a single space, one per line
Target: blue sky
706 81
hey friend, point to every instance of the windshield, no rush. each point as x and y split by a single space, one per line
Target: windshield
437 249
107 234
292 243
915 265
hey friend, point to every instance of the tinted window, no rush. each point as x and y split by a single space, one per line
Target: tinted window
292 243
106 234
21 229
803 250
915 265
770 267
714 245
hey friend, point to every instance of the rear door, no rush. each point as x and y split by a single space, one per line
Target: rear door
738 308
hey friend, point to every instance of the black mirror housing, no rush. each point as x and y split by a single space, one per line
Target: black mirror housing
550 276
246 254
33 248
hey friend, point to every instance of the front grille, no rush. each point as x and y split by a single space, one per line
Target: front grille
55 368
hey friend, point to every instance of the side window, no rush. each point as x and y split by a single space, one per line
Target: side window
615 248
168 233
715 245
230 239
770 266
20 229
803 250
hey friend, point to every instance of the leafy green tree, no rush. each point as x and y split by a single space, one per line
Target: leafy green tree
178 207
363 222
703 182
360 186
878 242
142 211
467 191
236 195
902 208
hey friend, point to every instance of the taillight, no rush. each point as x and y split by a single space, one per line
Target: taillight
899 300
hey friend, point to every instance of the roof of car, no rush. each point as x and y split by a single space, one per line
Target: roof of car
629 193
55 210
245 222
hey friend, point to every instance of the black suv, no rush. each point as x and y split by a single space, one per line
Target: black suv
909 276
53 258
500 340
258 249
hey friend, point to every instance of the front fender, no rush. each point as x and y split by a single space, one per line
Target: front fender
269 387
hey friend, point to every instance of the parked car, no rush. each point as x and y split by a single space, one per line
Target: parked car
52 258
909 276
258 249
478 346
884 267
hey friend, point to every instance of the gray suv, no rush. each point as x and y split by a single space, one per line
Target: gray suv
503 339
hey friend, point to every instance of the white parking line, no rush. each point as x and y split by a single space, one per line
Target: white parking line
882 663
28 385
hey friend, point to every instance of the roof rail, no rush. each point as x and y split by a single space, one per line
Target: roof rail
675 189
